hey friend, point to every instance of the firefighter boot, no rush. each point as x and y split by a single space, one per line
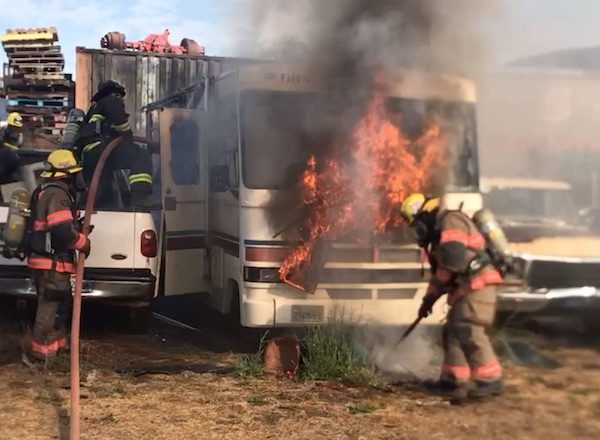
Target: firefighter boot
486 389
440 386
455 393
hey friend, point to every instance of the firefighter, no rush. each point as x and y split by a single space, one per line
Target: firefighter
106 120
55 236
11 138
460 269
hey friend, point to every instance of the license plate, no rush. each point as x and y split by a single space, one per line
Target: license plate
307 314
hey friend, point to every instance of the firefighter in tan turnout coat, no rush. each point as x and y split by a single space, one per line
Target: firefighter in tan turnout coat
460 269
54 238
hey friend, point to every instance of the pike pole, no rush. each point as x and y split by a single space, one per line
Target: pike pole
74 430
409 330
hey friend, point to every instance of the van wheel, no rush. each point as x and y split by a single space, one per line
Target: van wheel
139 319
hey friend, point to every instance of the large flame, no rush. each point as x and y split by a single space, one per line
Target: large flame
365 192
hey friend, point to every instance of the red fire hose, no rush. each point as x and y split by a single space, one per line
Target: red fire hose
75 325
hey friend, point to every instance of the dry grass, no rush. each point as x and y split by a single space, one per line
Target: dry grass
549 404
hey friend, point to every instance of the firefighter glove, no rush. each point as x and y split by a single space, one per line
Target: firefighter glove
427 305
87 248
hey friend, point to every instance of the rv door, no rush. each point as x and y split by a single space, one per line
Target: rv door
184 202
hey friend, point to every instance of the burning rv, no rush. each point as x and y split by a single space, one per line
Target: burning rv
293 225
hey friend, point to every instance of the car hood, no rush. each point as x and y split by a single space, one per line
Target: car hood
525 230
571 247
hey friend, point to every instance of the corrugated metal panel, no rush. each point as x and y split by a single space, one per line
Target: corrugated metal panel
146 77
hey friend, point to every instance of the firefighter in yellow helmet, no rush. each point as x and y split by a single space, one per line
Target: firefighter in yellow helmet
11 138
106 120
54 236
456 251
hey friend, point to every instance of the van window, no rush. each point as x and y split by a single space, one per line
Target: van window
185 167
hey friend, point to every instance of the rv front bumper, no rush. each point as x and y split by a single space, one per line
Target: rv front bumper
561 301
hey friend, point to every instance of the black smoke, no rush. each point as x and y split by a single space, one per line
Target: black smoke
351 41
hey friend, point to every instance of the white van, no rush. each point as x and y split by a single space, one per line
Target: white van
122 266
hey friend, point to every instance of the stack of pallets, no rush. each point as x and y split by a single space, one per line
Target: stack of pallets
35 83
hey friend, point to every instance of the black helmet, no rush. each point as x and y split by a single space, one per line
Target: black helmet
107 87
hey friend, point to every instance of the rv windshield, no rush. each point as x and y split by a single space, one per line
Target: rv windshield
276 143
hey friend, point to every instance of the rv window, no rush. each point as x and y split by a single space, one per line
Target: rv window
457 121
223 141
275 141
185 167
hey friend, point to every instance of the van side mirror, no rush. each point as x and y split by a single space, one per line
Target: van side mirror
219 178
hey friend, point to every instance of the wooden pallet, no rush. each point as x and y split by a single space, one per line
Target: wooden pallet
49 34
13 50
43 57
42 69
39 112
31 51
36 62
22 78
29 102
38 94
31 48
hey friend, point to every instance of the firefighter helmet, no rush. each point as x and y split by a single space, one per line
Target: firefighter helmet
15 120
415 204
60 163
107 87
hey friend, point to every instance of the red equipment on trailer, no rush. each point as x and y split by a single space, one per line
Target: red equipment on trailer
157 43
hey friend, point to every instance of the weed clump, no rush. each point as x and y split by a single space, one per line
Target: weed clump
331 354
252 365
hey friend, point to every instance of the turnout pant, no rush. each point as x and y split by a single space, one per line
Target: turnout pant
126 156
54 294
468 351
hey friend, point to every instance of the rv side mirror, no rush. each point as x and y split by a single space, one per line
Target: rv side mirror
219 178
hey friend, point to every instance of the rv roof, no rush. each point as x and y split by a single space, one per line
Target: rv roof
525 183
412 84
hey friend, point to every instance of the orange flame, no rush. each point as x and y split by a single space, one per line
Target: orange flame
385 167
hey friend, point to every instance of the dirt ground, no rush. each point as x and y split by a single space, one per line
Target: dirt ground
539 404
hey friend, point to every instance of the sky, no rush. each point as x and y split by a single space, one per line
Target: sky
521 27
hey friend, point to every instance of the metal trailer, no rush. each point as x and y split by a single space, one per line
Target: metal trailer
147 77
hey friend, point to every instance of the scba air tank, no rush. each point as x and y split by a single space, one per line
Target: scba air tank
71 133
16 223
494 235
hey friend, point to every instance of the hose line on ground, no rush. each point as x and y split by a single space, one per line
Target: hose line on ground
75 325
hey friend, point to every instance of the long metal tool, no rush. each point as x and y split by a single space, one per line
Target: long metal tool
74 431
409 330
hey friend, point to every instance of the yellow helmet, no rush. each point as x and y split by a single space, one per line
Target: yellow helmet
60 163
415 204
15 120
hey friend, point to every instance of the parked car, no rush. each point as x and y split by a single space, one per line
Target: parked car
557 255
